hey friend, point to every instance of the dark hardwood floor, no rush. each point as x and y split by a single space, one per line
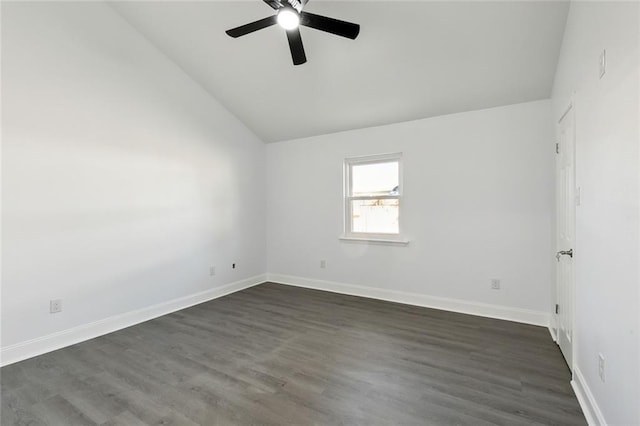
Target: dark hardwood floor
274 354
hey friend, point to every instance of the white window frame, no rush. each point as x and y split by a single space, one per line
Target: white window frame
349 234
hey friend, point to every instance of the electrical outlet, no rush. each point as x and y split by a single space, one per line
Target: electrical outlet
601 366
55 306
212 270
602 60
495 283
323 264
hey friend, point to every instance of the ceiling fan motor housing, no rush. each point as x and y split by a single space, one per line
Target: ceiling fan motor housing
279 4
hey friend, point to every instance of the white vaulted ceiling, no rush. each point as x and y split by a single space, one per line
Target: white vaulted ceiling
411 60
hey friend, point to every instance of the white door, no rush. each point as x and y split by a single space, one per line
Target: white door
565 240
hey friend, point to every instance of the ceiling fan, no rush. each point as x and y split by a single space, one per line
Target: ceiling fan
289 17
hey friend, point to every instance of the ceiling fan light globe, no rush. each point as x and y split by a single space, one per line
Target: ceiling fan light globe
288 19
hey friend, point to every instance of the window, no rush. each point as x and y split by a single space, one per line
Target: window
373 190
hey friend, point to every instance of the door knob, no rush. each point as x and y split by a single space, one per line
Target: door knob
565 253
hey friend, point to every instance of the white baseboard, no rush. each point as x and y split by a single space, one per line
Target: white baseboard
552 332
51 342
38 346
586 399
463 306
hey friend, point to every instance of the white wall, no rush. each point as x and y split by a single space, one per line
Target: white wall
478 204
607 257
122 180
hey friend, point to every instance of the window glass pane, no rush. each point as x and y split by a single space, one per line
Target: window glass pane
375 216
375 179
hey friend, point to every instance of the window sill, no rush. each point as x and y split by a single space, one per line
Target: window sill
390 241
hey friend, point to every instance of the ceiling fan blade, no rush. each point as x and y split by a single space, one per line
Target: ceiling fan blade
252 26
297 49
330 25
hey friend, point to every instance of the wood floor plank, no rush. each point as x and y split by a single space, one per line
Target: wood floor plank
274 354
58 411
